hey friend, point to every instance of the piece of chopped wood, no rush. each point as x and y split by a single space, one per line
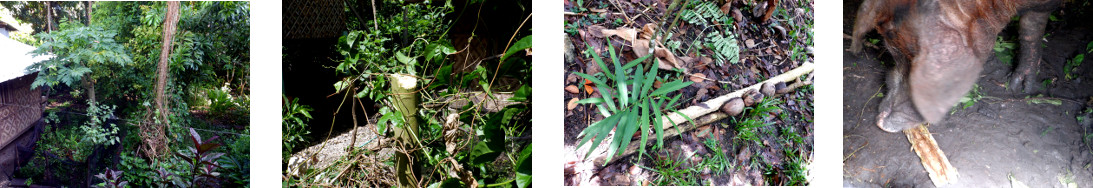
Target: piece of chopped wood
933 159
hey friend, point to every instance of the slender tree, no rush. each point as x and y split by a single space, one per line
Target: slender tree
169 26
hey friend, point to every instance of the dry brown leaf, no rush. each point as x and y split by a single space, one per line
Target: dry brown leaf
706 60
641 47
648 31
572 104
668 61
572 89
625 33
596 31
656 84
588 86
726 8
698 77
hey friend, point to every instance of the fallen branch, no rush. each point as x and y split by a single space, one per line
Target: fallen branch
711 115
712 105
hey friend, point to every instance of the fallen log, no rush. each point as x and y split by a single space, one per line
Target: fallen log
704 111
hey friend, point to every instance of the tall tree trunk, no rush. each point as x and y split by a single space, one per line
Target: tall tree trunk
158 144
49 16
88 12
89 85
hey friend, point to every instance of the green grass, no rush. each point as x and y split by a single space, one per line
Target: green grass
669 172
748 127
718 160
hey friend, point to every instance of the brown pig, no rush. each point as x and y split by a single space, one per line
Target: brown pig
939 47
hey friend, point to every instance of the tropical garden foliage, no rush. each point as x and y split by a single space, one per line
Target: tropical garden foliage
476 145
101 87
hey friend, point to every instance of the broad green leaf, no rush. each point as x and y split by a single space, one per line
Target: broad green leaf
599 61
590 100
636 62
340 86
620 79
670 87
600 85
658 123
523 43
643 125
522 94
523 168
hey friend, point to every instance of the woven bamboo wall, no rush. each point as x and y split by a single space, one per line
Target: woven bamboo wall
20 107
311 19
20 110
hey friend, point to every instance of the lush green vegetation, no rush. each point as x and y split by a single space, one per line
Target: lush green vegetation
477 145
634 110
102 89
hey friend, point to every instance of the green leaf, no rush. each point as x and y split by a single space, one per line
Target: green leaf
404 59
658 123
523 168
523 43
437 50
599 61
600 85
590 101
670 87
340 86
522 95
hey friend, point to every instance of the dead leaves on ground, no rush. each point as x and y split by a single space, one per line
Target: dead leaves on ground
639 41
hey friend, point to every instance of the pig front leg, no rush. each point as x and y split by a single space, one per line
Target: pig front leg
897 112
1024 78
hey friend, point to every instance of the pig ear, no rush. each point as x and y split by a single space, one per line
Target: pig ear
940 77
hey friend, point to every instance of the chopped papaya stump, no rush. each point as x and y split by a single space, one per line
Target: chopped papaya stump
933 159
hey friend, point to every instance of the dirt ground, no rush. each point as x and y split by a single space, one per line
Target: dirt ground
751 163
1002 140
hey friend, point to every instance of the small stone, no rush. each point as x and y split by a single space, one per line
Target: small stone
734 107
767 89
751 97
572 89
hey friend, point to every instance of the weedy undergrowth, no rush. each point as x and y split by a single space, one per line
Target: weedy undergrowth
293 126
111 179
629 102
707 15
1004 50
748 127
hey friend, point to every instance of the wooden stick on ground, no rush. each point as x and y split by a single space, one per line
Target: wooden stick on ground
933 159
702 113
712 105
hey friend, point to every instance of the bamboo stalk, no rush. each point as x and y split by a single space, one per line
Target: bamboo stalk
405 100
705 116
933 159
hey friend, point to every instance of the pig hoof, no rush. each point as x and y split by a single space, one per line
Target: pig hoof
1024 83
896 121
